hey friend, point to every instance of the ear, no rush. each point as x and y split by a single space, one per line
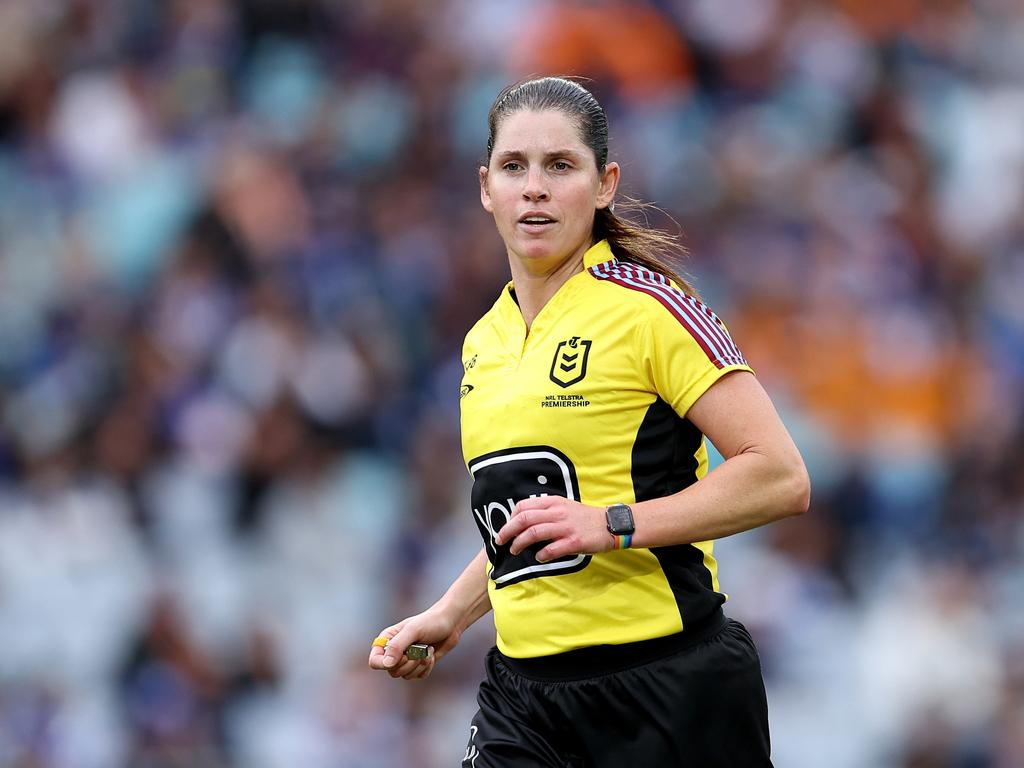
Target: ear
608 184
485 196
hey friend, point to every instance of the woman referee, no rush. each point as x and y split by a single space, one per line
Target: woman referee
589 388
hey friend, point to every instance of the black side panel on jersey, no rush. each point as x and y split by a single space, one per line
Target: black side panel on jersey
664 463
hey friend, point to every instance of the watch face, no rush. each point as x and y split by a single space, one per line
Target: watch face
620 519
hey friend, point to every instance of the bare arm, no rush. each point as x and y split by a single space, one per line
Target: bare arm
762 480
441 625
467 597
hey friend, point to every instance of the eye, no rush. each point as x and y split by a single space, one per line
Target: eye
560 165
512 165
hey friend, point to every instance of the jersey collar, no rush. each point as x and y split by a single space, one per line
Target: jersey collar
598 253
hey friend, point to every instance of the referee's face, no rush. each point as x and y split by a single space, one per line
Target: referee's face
543 187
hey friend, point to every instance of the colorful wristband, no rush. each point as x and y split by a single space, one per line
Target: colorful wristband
623 542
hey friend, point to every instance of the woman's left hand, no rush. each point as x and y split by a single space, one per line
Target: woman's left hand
570 528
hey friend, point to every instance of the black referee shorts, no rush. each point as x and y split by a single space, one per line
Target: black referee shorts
695 699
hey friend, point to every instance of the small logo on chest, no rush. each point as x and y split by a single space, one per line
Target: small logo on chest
570 363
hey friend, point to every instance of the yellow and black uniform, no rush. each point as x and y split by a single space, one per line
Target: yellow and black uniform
591 404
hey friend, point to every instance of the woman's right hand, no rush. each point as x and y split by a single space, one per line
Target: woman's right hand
432 627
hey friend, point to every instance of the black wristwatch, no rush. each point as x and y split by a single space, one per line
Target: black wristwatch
620 520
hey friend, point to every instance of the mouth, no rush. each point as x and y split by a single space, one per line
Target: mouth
535 222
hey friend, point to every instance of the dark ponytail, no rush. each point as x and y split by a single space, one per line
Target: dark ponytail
641 244
630 241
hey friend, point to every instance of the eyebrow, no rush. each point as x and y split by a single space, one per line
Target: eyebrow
511 154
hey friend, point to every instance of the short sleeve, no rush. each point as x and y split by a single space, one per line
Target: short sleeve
687 349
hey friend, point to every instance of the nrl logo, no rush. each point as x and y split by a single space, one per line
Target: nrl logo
570 363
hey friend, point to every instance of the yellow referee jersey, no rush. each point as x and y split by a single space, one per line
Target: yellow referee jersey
591 405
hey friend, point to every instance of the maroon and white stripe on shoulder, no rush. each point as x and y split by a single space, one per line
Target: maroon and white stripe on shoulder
703 324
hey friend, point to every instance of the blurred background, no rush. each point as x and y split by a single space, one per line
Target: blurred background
240 243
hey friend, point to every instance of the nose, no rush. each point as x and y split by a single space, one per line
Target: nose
536 186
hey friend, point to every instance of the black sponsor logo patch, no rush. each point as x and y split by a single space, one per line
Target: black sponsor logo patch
503 478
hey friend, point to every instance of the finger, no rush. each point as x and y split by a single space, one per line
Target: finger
535 502
377 652
425 672
423 669
519 523
394 653
569 545
423 666
533 534
404 668
376 660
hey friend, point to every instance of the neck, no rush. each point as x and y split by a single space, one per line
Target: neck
536 283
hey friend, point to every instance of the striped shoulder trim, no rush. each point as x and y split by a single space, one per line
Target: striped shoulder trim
695 316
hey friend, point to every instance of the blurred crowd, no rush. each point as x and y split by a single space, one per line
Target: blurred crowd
240 243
